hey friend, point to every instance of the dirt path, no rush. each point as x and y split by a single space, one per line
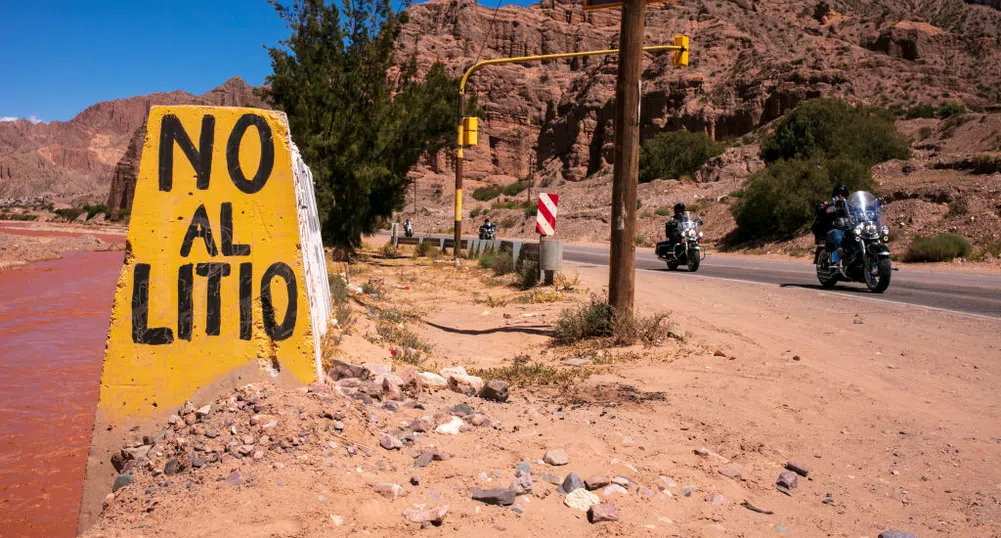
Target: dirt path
892 408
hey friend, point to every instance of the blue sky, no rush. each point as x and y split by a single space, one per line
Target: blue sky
59 56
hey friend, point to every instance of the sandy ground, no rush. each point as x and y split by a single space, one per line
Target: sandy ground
893 409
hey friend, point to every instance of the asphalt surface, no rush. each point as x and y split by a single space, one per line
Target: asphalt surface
963 292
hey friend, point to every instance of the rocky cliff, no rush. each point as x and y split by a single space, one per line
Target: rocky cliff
78 159
751 62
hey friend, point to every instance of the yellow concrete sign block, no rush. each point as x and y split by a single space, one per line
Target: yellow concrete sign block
224 280
214 274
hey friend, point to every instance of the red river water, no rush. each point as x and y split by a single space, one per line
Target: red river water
54 318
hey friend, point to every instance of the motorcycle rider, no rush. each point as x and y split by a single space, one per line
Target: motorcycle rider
672 228
832 222
408 227
487 228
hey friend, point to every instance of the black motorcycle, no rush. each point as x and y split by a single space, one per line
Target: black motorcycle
487 232
866 257
687 252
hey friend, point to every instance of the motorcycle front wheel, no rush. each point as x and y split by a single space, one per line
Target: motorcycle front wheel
693 263
877 274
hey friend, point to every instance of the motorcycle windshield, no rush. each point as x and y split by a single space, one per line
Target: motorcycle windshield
865 208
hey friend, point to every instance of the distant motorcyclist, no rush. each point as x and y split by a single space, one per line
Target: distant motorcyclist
408 228
832 222
672 228
487 229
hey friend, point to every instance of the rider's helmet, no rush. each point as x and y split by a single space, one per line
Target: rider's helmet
679 209
840 192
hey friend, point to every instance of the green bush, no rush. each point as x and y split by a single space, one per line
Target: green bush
483 194
675 154
941 248
528 273
510 204
516 187
487 259
508 222
664 211
502 264
69 213
93 210
531 211
477 212
950 109
920 111
833 129
781 199
593 320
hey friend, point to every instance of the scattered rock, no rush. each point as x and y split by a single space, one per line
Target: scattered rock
597 482
622 481
581 499
687 491
390 491
702 451
433 380
522 485
828 499
421 424
173 467
336 520
497 496
716 499
343 370
463 410
338 425
645 492
731 471
412 383
415 480
390 443
424 459
551 478
374 369
572 483
451 427
668 481
203 411
897 534
392 390
522 468
599 513
788 480
465 384
797 468
577 362
614 489
121 481
719 353
556 457
432 516
234 479
453 370
495 390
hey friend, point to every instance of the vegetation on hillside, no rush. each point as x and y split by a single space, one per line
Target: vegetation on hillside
676 154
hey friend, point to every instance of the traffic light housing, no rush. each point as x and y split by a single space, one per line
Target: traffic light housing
680 56
469 130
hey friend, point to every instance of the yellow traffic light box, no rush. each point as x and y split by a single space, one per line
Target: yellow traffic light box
469 131
680 56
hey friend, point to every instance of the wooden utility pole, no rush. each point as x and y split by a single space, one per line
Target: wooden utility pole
622 270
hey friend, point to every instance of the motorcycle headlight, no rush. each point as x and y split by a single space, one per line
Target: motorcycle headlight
858 230
700 235
885 231
691 233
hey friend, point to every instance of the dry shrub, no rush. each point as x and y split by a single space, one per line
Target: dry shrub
598 320
522 373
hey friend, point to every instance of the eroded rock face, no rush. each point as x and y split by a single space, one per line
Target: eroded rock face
751 62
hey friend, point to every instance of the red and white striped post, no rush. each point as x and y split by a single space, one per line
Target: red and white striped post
545 225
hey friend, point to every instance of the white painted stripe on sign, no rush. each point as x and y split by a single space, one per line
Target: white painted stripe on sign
548 202
546 228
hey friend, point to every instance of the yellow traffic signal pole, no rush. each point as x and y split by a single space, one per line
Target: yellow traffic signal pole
680 48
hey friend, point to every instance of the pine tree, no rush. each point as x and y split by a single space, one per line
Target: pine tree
360 122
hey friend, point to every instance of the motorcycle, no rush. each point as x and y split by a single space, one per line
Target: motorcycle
866 256
487 232
408 229
689 250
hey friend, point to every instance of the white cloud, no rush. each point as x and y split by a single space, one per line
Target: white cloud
35 120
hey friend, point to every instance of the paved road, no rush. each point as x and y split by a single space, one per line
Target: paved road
961 292
969 293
